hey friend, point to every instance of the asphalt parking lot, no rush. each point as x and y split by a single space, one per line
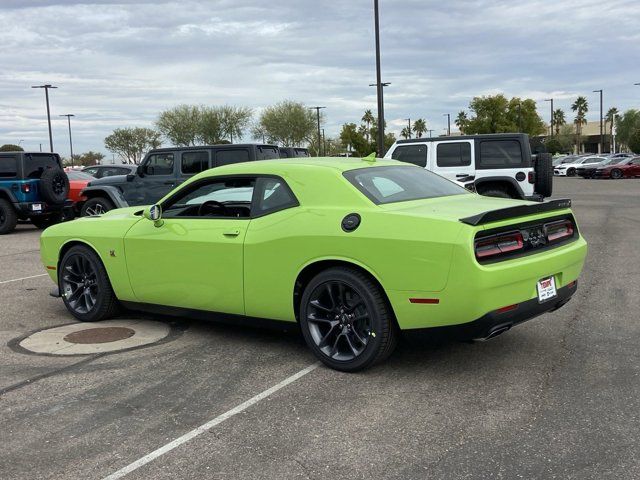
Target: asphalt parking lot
557 397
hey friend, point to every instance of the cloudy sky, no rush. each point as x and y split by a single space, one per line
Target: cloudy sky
118 63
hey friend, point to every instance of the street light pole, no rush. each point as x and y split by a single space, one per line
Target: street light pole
409 120
379 85
430 131
551 117
317 109
448 115
69 115
46 95
601 146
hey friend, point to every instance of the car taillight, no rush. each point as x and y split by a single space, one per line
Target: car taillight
532 177
25 187
558 230
498 244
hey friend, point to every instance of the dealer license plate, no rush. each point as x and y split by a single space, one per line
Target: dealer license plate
546 289
36 207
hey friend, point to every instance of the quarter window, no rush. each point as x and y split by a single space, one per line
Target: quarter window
273 194
454 154
416 154
501 154
226 157
194 162
159 164
8 167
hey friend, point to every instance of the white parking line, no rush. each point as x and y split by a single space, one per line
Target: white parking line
23 278
209 425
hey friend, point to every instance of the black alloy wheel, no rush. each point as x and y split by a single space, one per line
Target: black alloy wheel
346 320
616 173
84 285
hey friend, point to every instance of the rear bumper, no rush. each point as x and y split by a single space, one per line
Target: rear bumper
497 322
40 209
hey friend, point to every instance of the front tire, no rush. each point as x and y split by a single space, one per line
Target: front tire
346 320
85 286
616 174
96 206
571 172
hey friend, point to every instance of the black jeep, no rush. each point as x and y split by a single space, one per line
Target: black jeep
162 170
34 187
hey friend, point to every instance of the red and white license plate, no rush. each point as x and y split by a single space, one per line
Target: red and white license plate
546 289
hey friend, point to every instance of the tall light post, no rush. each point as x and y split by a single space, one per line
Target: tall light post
69 115
551 117
601 145
317 109
448 115
379 85
409 120
46 96
430 132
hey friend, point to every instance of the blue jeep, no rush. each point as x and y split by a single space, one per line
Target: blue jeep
34 187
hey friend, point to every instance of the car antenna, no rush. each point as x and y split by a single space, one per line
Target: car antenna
370 158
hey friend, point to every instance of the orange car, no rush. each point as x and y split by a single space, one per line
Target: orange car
77 182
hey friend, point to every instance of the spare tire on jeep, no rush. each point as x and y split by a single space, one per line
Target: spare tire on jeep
54 186
544 174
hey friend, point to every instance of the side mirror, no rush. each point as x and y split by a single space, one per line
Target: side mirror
140 170
154 213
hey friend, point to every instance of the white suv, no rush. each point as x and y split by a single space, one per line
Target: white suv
496 165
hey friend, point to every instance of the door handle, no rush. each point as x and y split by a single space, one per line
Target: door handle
231 233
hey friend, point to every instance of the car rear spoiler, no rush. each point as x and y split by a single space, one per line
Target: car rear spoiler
519 211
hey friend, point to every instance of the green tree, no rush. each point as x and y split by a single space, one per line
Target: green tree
580 107
611 118
562 141
85 159
634 141
405 133
235 120
181 125
353 140
8 147
368 119
627 125
558 120
419 127
497 114
462 121
288 123
131 143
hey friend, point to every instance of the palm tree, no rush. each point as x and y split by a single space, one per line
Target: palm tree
581 107
611 117
405 133
368 119
558 119
462 121
419 127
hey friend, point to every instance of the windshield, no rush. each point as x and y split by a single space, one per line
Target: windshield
75 175
400 184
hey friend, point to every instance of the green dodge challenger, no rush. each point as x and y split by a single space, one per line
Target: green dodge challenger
354 250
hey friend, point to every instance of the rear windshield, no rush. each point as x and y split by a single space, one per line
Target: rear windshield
400 184
36 163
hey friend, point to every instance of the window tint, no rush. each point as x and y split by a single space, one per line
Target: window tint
265 153
284 153
273 194
454 154
8 167
76 175
159 164
36 163
194 162
91 171
416 154
229 198
400 184
500 154
226 157
123 171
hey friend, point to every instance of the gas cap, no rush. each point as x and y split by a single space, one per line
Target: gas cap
350 222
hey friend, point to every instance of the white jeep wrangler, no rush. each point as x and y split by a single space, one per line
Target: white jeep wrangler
496 165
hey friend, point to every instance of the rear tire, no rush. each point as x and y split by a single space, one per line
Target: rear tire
8 217
96 206
496 192
54 186
346 320
544 174
616 174
85 287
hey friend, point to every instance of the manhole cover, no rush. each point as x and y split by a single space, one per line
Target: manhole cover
100 335
90 338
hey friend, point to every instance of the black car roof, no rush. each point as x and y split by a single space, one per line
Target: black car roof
219 145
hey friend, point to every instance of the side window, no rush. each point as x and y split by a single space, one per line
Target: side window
226 157
8 167
123 171
266 153
227 198
416 154
195 162
91 171
272 194
284 153
159 164
500 154
453 154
